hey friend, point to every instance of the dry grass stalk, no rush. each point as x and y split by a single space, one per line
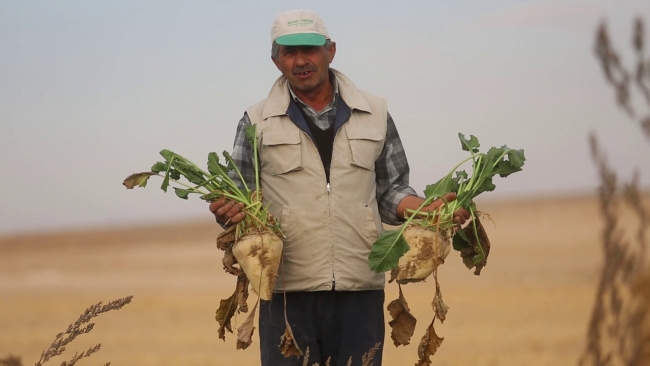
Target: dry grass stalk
366 360
641 289
79 327
615 328
623 80
619 330
641 284
614 335
369 356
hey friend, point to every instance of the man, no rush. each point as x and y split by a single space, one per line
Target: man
332 170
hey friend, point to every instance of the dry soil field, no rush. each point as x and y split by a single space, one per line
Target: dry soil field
530 306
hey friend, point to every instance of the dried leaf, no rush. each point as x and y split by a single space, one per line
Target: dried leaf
393 274
227 237
245 332
242 293
470 253
228 263
228 307
137 179
288 346
403 323
428 346
225 313
438 305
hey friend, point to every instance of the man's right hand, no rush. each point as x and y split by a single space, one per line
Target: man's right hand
227 212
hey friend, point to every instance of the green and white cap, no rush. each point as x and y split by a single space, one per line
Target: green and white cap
299 28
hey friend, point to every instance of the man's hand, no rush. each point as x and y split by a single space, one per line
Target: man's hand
413 202
227 212
460 215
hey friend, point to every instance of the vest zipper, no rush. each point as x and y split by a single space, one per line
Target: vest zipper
329 212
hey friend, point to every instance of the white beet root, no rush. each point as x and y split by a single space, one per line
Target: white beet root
428 251
259 257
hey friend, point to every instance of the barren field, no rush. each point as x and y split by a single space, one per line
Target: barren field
530 306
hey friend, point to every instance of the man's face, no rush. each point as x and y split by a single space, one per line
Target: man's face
306 67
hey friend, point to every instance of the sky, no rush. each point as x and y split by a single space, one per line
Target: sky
91 91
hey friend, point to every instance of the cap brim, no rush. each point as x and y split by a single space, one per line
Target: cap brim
301 39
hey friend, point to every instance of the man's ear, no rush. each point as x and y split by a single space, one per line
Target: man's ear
332 51
277 64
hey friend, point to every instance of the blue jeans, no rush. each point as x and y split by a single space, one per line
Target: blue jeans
334 325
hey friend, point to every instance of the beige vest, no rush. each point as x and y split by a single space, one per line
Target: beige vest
329 230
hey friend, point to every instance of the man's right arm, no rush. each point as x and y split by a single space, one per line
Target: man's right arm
225 211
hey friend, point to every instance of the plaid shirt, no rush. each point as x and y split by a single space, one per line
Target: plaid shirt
392 169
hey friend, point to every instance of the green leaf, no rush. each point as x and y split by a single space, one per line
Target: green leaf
465 201
445 185
195 176
504 168
165 182
486 170
516 158
167 154
174 174
159 167
168 173
183 193
461 177
470 145
460 241
230 163
495 154
461 174
137 180
387 250
485 186
439 188
190 172
251 134
212 196
214 166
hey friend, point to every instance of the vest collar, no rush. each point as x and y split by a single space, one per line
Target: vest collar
279 98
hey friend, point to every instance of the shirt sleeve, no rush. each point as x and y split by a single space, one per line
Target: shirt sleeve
242 155
392 170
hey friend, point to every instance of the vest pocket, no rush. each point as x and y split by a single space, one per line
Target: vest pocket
366 145
369 225
280 152
285 222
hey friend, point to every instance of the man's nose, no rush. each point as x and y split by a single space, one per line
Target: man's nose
301 59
